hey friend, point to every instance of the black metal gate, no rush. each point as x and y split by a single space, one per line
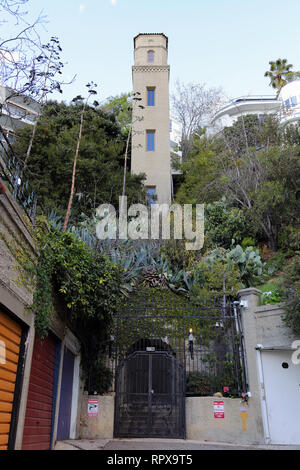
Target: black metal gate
150 396
163 350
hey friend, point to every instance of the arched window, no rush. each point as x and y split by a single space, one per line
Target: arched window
150 56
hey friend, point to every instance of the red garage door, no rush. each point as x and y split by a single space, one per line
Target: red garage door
38 419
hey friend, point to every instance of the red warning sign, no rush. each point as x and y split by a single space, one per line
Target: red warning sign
93 408
219 411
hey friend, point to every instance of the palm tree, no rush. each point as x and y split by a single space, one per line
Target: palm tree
280 74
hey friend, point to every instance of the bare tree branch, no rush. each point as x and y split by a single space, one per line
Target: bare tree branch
193 105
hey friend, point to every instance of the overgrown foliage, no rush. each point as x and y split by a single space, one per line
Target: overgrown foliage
225 225
256 166
290 291
212 280
79 284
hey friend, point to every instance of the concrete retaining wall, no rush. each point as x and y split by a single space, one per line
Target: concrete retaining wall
102 426
270 329
202 425
200 421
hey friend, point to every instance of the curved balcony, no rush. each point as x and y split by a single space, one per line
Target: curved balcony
260 104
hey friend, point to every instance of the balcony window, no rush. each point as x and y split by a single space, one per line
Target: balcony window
150 141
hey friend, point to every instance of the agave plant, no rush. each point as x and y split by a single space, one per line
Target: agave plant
141 260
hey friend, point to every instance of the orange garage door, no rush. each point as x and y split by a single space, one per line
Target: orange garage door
10 339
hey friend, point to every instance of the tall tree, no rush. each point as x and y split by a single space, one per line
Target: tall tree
50 57
121 107
28 68
21 49
91 92
99 168
280 74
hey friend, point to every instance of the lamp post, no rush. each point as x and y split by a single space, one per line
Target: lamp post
191 343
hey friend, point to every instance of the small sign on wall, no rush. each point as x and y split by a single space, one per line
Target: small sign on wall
219 411
93 408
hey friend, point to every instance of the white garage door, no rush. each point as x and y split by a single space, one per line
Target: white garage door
282 390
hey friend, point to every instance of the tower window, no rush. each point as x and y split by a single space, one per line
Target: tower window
151 96
150 141
151 195
151 56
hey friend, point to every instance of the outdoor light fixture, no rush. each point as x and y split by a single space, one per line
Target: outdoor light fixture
191 343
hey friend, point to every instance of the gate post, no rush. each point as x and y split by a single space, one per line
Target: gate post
248 302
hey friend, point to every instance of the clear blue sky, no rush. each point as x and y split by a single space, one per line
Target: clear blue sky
222 43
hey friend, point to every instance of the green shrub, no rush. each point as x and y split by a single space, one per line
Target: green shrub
248 241
200 384
290 291
210 278
289 239
223 224
271 297
276 263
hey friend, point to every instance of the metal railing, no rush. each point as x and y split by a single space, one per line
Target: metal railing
206 339
11 171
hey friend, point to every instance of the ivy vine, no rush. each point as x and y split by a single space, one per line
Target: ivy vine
86 285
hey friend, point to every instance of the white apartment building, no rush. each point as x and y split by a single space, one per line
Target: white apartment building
286 106
290 103
256 104
16 111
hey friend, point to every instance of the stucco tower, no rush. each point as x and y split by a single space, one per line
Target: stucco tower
151 136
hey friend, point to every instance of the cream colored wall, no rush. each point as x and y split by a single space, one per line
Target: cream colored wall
155 164
145 43
102 426
200 421
202 425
